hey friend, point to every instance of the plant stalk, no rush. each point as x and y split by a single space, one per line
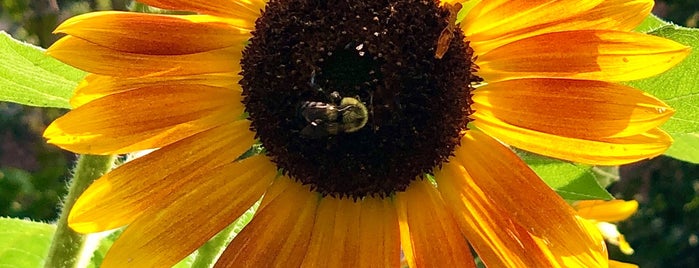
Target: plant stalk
67 245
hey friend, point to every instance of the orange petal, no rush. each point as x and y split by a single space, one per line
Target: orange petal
334 237
280 231
143 119
620 15
122 195
499 241
96 86
499 201
351 233
379 234
91 57
423 220
244 9
580 109
609 211
157 34
167 233
607 151
618 264
587 54
490 20
572 260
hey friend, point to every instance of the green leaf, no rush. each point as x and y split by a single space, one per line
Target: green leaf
24 243
685 147
28 76
571 181
679 88
650 23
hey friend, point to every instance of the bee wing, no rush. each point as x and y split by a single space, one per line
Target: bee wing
314 132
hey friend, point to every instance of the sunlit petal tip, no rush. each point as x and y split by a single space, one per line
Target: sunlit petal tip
582 109
141 33
609 211
482 186
249 9
494 19
72 22
57 47
55 134
604 55
116 199
618 264
622 15
83 225
156 237
597 151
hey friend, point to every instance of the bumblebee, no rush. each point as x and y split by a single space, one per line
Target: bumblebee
324 119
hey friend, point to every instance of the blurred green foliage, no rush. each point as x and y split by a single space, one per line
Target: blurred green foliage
33 175
665 230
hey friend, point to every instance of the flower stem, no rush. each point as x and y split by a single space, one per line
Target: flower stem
208 253
67 245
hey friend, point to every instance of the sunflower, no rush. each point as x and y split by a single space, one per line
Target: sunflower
383 124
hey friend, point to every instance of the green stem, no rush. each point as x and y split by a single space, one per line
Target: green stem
208 253
67 245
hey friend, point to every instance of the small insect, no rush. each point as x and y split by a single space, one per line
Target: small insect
448 32
343 115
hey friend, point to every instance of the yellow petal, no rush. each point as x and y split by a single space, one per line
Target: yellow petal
490 20
379 234
350 233
96 86
580 109
429 235
499 241
91 57
143 119
280 231
620 15
499 202
122 195
244 9
618 264
153 34
624 246
609 211
574 261
334 237
607 151
586 54
167 233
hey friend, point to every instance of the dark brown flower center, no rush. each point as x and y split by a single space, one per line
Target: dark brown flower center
349 97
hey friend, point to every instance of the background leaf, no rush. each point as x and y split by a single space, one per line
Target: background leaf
24 243
650 23
28 76
685 147
679 88
571 181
